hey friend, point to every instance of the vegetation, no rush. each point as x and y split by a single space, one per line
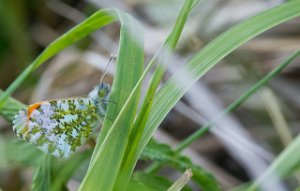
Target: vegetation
126 134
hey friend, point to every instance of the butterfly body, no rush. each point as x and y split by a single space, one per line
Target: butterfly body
59 127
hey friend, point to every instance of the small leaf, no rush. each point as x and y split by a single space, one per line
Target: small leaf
164 154
182 181
149 182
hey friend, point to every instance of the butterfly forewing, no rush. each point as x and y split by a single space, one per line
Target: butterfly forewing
58 127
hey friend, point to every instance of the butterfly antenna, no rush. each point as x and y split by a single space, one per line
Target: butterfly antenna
112 59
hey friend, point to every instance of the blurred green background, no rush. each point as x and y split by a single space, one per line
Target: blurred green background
271 118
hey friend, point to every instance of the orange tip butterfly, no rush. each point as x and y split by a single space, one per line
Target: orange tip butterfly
60 126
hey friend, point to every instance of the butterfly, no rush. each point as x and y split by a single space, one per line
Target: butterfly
59 126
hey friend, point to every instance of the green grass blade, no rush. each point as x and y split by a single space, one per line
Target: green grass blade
237 102
94 22
112 141
130 62
209 56
130 159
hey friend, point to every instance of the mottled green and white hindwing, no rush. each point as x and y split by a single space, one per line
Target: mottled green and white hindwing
58 127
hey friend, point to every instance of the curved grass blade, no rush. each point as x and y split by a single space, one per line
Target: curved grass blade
111 144
91 24
209 56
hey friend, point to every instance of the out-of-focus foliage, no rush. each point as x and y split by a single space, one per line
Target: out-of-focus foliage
28 27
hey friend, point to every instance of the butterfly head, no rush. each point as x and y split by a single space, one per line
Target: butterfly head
100 92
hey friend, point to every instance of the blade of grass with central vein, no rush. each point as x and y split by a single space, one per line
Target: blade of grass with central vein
112 141
209 56
94 22
130 159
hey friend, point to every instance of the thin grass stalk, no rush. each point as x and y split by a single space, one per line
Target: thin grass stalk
200 132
